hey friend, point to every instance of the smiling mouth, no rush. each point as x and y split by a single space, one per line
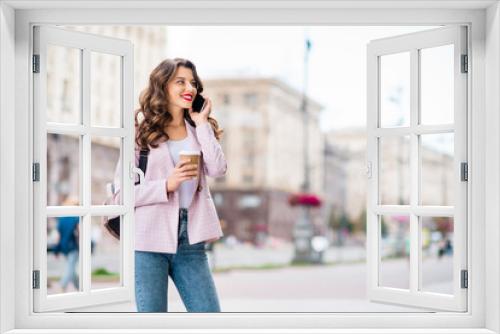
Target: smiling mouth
187 98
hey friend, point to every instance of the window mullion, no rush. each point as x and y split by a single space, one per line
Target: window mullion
415 267
86 177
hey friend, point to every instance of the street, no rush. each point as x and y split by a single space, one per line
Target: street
339 287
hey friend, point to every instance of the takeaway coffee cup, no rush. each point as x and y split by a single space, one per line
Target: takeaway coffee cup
192 156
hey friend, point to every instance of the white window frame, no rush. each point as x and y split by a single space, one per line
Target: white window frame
483 18
86 44
411 44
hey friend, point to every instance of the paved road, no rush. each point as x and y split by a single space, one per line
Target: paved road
338 288
331 288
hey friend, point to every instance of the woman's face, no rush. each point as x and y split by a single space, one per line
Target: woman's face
181 90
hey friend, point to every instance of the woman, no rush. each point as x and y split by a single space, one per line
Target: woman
174 212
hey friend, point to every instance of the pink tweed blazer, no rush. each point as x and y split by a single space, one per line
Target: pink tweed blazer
157 215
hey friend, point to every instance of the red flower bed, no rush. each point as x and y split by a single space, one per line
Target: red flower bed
304 199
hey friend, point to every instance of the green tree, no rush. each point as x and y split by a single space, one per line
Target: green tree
360 223
334 220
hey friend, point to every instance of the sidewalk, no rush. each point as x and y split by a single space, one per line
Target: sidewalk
222 257
246 255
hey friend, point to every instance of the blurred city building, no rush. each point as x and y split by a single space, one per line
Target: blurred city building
150 47
263 143
347 180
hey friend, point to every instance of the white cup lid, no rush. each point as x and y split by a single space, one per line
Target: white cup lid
189 152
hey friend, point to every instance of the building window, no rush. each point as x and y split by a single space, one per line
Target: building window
250 100
226 99
249 201
218 199
247 178
249 158
220 180
248 137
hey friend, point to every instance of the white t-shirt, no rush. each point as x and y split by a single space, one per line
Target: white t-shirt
188 187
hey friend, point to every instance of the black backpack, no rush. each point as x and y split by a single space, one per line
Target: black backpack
112 225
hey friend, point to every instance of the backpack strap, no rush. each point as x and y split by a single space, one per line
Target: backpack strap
143 161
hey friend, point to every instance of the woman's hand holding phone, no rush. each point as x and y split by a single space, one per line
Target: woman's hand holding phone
183 171
202 115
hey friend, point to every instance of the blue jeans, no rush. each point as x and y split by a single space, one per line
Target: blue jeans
70 271
188 269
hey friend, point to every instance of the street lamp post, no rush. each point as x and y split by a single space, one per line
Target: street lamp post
303 230
305 119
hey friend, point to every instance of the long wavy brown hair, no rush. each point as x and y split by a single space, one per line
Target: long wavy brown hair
152 117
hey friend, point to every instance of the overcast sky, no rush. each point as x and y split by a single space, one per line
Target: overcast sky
337 60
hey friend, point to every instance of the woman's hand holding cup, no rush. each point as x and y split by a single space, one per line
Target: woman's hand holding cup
186 169
183 171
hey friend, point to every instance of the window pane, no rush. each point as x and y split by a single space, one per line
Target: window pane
63 271
105 154
437 254
394 247
63 169
436 85
437 185
394 172
105 99
395 90
63 84
106 256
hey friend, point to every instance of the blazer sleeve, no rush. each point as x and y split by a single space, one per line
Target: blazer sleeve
214 162
148 193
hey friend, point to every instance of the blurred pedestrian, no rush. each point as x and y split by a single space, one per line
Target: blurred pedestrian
68 230
445 249
167 243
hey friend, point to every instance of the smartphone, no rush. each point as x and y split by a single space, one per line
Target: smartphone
198 103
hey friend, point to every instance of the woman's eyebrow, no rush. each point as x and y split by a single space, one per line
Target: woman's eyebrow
181 78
